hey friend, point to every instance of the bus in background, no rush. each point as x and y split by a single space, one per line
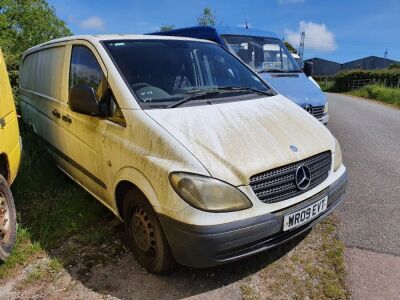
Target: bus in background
267 55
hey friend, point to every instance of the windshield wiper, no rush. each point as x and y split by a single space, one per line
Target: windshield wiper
271 71
199 94
244 89
195 95
278 71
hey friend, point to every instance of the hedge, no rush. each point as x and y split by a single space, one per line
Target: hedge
342 79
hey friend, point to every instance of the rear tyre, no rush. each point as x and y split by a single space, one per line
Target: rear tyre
146 237
8 220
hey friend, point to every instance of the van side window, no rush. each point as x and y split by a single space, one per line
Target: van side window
86 70
114 111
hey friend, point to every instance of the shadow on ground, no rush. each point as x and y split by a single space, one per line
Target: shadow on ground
72 227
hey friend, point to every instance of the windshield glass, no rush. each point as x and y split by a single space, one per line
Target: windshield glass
262 54
167 71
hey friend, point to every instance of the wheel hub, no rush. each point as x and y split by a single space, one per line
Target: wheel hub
4 219
142 230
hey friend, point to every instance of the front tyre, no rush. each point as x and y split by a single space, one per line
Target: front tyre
8 220
146 237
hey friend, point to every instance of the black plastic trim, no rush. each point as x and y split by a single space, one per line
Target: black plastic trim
206 246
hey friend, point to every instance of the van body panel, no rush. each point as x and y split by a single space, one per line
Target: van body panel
147 162
255 135
9 132
7 102
296 87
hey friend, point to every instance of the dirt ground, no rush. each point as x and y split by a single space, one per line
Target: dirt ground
299 269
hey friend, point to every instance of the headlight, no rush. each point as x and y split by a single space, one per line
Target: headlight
326 108
337 158
207 193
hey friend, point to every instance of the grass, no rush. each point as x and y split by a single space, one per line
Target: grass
45 271
24 251
51 209
314 269
384 94
248 292
326 87
60 225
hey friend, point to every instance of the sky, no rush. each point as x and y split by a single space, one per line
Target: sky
336 30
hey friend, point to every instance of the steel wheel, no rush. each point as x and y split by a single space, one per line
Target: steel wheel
8 220
4 219
143 232
146 236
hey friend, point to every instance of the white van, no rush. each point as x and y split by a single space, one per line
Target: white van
203 162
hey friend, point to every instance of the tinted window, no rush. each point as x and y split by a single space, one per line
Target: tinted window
86 70
169 70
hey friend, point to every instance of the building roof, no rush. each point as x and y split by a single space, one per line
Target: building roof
327 67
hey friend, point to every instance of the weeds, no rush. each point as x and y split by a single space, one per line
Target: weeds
51 209
380 93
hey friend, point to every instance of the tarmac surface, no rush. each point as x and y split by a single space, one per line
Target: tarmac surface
369 133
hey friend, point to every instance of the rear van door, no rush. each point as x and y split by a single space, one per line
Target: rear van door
41 96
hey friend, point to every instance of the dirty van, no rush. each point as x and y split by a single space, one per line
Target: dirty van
10 154
203 162
264 52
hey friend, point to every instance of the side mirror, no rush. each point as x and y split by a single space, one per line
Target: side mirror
308 68
82 99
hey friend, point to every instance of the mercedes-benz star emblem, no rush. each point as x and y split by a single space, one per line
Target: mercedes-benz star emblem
308 108
303 177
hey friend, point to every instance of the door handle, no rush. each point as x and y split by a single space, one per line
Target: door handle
56 113
67 119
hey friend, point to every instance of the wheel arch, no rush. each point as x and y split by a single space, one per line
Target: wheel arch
4 166
132 179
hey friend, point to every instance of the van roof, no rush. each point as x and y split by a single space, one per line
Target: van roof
221 30
107 37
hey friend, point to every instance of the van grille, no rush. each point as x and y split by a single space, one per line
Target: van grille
279 184
316 111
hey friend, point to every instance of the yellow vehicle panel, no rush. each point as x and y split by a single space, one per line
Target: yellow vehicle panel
10 148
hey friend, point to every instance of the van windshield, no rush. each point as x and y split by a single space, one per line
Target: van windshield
262 54
162 73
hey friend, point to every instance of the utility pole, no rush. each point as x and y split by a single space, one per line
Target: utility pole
301 48
386 53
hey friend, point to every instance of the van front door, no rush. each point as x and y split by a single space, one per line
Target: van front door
84 159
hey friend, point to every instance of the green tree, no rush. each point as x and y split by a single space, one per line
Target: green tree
290 47
166 27
207 18
23 24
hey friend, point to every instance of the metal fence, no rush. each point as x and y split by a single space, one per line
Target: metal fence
359 83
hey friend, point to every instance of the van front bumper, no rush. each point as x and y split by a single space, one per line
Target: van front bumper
206 246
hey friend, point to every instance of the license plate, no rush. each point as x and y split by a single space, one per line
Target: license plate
305 214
